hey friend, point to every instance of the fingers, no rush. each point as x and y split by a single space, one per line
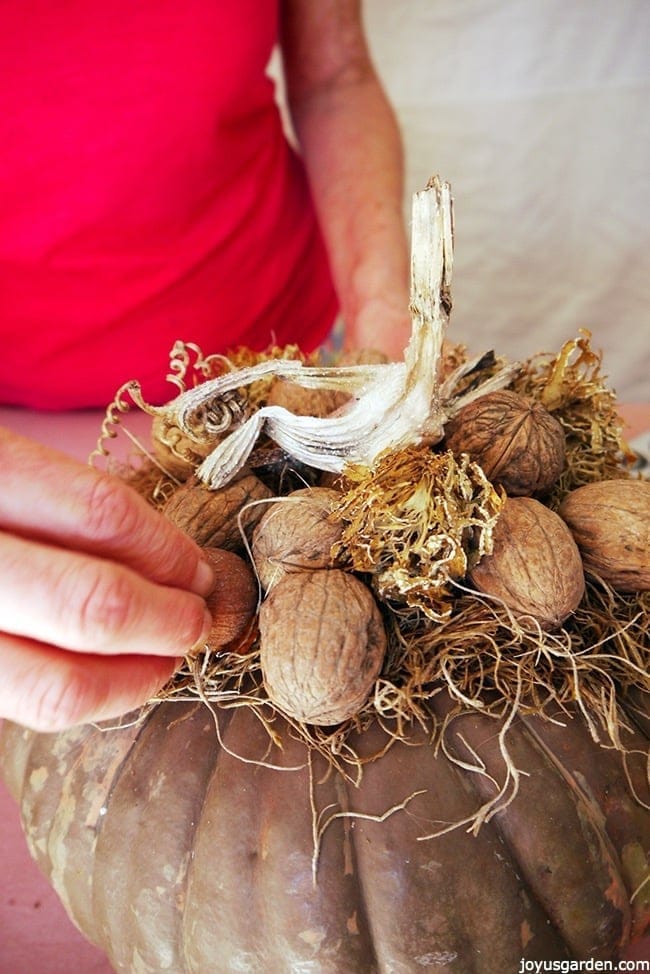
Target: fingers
90 605
50 497
50 690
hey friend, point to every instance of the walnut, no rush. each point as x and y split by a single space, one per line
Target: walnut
610 521
320 402
535 566
233 600
216 518
296 534
322 645
305 402
516 441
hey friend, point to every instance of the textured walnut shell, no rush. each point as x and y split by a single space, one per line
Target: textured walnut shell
515 440
322 645
233 600
610 521
320 402
535 566
210 517
305 402
295 534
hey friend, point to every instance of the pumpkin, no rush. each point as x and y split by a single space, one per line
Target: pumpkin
177 849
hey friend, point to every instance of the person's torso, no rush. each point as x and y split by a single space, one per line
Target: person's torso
146 194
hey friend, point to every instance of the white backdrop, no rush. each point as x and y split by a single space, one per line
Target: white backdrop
538 113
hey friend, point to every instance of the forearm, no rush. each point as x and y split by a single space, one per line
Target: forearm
353 153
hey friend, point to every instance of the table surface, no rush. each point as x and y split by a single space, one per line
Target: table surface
36 937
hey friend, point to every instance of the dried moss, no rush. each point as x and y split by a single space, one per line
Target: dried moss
413 526
415 522
573 387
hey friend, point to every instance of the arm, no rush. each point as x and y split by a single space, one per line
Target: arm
353 155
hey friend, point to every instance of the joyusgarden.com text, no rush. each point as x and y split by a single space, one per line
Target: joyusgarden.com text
540 966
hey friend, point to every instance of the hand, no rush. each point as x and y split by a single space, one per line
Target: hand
99 594
381 325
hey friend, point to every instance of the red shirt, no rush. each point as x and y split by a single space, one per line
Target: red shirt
147 193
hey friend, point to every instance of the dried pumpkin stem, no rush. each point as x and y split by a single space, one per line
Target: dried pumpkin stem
393 404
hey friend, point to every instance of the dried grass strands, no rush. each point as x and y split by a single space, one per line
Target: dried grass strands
486 659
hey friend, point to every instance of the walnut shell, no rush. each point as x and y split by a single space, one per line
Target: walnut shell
515 440
320 402
210 517
322 645
304 402
610 521
535 566
295 535
233 600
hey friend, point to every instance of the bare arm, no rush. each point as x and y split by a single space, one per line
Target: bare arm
352 149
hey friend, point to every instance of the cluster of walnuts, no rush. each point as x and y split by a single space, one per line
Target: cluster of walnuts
321 633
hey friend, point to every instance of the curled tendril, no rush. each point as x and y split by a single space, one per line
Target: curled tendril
180 365
216 416
113 418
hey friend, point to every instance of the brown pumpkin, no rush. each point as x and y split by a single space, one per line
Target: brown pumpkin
172 854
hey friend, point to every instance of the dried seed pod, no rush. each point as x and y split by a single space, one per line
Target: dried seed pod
211 517
322 645
233 600
610 521
535 566
296 534
516 441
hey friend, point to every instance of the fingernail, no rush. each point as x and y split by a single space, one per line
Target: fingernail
203 581
199 645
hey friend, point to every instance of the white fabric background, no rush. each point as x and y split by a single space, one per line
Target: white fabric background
537 113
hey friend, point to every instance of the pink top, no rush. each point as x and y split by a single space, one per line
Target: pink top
147 193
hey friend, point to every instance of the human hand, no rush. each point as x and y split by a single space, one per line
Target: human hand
384 325
99 594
